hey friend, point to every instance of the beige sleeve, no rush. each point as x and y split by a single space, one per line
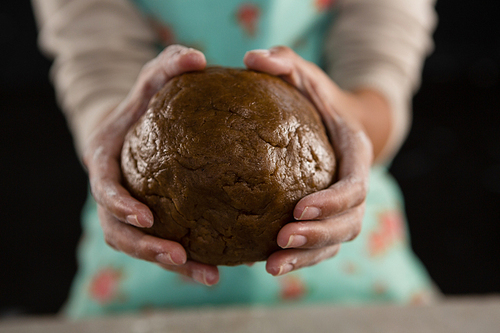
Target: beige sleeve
98 47
382 45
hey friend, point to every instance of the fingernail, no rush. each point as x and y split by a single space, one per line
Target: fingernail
309 213
171 259
165 258
295 241
262 52
204 277
132 219
285 268
199 276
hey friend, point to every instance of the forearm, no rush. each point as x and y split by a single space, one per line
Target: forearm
372 110
380 46
98 47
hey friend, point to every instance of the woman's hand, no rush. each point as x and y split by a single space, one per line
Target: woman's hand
332 216
117 210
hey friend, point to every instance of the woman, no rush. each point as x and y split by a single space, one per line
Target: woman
106 69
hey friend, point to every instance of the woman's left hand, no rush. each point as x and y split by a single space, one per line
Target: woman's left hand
326 218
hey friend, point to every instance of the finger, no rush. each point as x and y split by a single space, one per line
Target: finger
304 75
315 234
272 61
167 254
285 261
347 136
201 273
354 156
137 244
101 158
104 178
352 146
172 61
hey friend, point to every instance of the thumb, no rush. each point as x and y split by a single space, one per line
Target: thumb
308 78
172 61
350 143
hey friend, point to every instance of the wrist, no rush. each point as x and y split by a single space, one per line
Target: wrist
86 125
372 110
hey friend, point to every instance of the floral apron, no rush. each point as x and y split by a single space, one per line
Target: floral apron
377 266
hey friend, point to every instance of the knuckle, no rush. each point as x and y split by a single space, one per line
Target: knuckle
360 190
363 190
143 249
336 201
148 88
172 49
355 231
137 251
323 238
110 241
171 52
283 50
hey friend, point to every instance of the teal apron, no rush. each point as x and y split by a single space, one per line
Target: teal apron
377 266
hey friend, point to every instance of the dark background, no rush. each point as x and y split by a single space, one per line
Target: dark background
449 168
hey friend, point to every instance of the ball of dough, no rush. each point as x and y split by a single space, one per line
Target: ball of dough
221 157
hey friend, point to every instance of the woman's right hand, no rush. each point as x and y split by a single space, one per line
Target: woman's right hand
118 211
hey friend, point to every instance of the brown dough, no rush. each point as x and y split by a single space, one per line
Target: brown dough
221 157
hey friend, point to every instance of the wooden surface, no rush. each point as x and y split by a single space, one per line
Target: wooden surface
471 315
